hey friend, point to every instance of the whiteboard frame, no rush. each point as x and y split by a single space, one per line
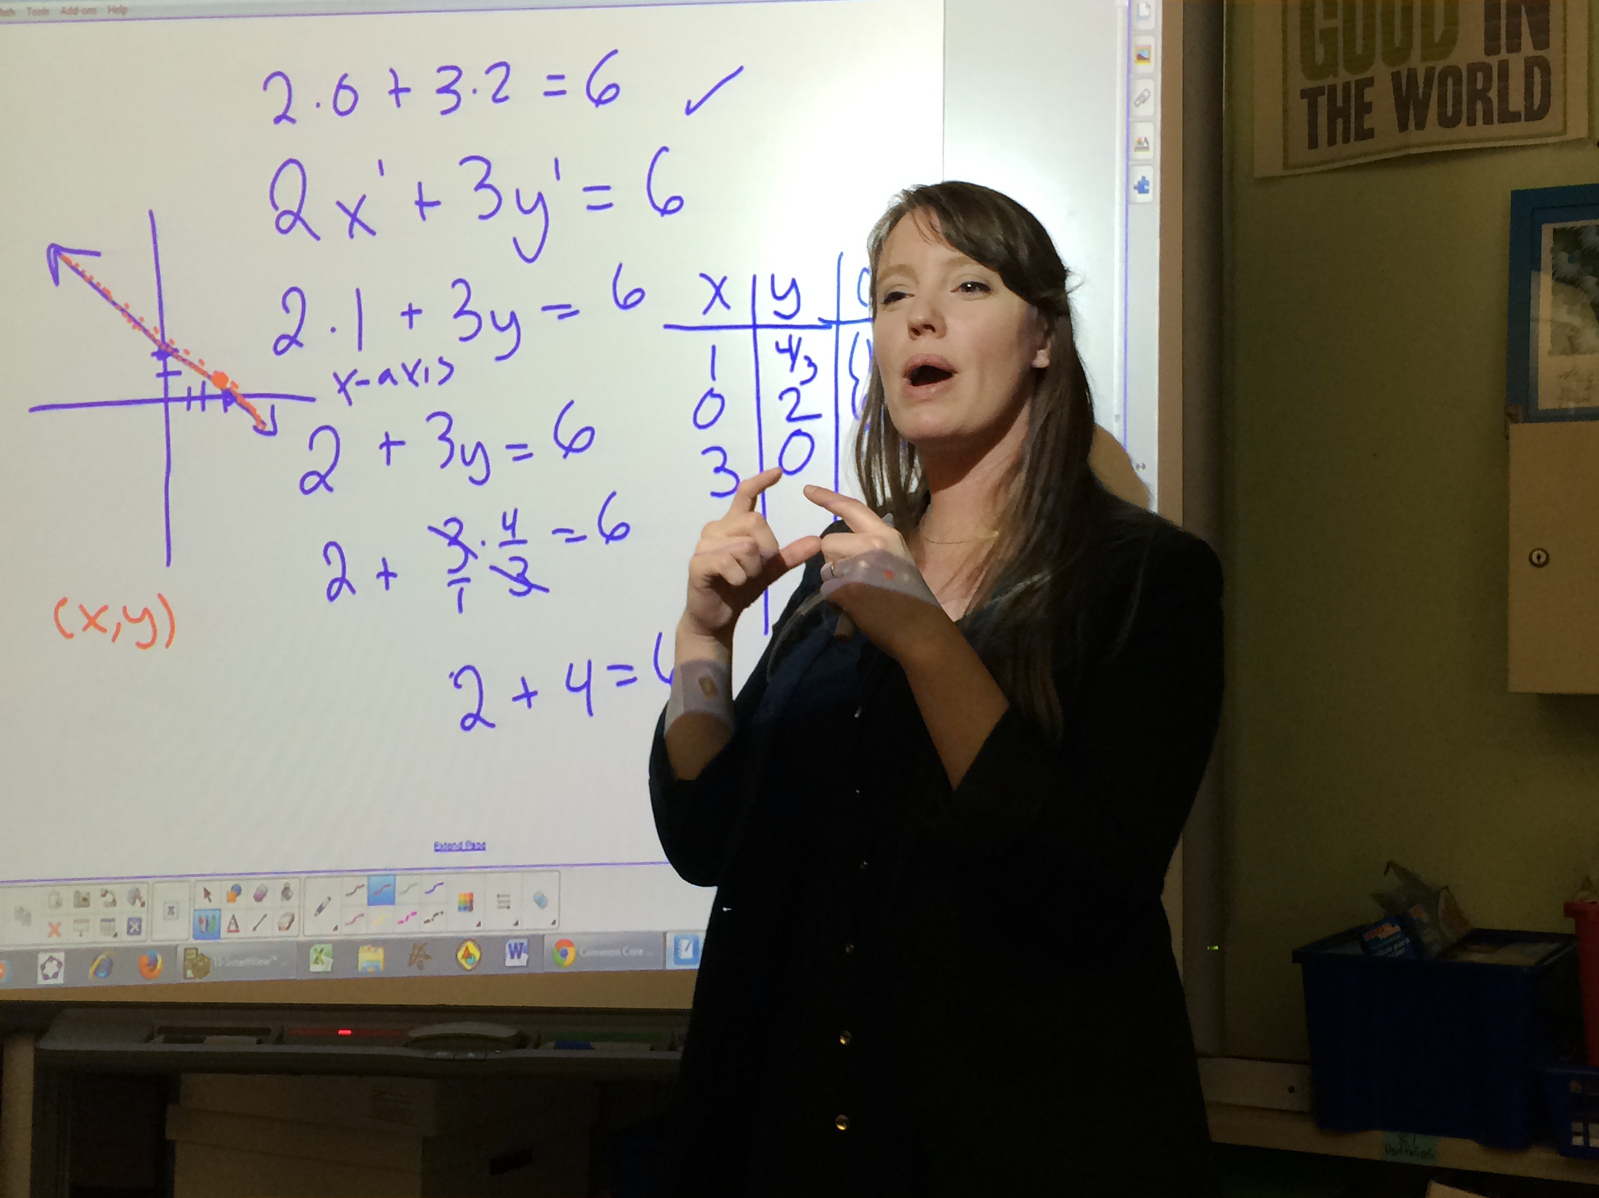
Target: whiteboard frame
1189 418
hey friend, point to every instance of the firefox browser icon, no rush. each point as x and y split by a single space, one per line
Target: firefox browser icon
565 953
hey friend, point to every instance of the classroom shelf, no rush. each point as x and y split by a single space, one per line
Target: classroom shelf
1297 1132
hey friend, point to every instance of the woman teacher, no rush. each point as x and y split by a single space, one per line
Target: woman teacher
939 813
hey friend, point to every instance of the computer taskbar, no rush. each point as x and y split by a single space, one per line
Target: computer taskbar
379 956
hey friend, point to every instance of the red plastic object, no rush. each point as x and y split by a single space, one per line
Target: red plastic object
1587 916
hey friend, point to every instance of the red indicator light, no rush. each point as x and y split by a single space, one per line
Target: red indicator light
344 1031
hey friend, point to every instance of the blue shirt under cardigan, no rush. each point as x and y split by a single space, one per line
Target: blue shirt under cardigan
978 979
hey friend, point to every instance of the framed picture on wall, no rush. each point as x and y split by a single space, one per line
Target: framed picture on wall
1552 350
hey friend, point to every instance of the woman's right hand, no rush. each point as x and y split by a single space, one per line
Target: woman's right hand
736 559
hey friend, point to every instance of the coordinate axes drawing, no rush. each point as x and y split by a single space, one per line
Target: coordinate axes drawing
172 361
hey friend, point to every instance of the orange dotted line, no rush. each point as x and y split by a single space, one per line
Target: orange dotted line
216 378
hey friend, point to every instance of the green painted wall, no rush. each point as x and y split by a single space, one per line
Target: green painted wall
1367 715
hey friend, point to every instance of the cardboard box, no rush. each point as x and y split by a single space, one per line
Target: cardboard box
293 1137
374 1103
270 1136
206 1171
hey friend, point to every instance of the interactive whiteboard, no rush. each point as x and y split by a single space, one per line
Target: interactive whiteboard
366 382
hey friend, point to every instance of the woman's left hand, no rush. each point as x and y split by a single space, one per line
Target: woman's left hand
896 609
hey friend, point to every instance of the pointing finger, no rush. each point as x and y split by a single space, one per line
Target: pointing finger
853 512
751 487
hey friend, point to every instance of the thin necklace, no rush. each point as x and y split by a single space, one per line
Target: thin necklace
987 536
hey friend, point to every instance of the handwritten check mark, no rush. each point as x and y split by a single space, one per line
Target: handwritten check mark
694 106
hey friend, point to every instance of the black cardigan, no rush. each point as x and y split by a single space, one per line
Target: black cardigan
1008 964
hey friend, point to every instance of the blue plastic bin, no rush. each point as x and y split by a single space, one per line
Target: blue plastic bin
1441 1048
1573 1094
631 1155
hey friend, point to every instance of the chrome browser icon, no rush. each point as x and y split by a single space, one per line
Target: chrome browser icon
565 953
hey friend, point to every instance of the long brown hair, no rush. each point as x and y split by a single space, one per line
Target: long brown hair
1053 510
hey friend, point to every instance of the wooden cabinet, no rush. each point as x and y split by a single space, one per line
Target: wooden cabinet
1554 557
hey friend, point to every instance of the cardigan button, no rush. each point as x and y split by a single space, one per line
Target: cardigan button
842 1122
844 1037
849 948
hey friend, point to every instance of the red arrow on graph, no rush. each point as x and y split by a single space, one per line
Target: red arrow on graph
56 256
